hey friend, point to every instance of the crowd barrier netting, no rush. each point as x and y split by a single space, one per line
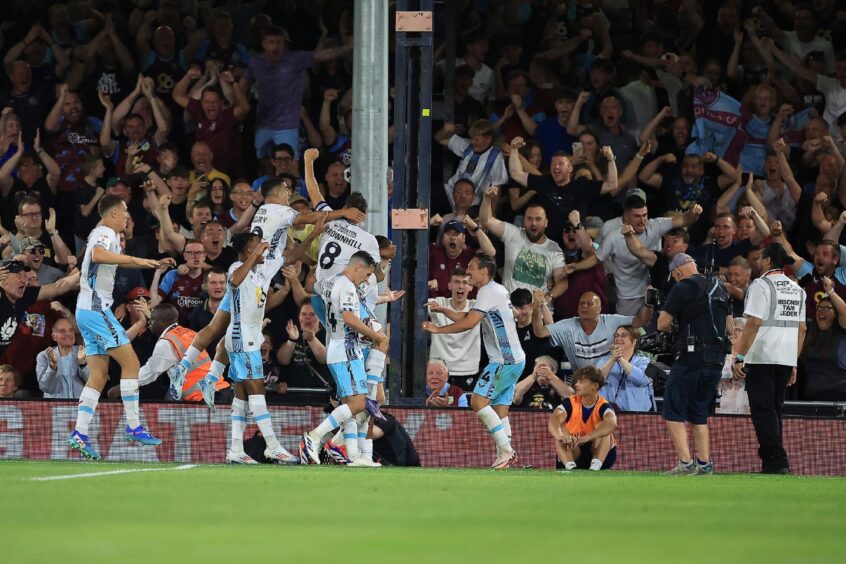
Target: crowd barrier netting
443 437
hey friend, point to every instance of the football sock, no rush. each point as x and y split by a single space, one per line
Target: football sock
335 419
351 438
129 395
258 407
215 372
239 423
506 426
367 449
362 420
87 405
191 356
494 425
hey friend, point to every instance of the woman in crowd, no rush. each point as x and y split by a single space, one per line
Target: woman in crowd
823 358
626 382
733 398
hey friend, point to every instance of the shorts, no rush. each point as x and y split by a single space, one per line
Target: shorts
497 382
245 366
586 455
225 303
349 377
689 392
101 331
266 138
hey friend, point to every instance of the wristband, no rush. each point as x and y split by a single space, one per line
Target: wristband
252 203
638 156
52 233
475 230
739 358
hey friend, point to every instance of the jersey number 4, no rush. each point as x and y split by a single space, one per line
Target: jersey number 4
330 253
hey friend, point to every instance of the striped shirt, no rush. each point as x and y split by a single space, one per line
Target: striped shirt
583 349
483 169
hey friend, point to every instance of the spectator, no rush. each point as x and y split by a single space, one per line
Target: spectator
826 264
626 384
62 370
523 111
278 77
682 188
560 193
88 193
214 286
532 261
675 242
216 123
630 274
589 336
820 363
611 131
336 187
16 296
475 53
582 274
481 161
182 287
220 46
732 391
304 357
542 388
461 351
439 392
466 108
726 247
583 425
33 250
23 99
10 378
202 159
103 65
739 278
219 200
523 303
30 222
275 380
21 177
450 254
552 132
463 197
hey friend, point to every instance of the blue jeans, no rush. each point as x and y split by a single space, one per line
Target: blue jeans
267 138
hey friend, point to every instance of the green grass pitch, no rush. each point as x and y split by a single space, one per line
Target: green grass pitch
210 514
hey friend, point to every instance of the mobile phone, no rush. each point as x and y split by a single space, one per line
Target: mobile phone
577 147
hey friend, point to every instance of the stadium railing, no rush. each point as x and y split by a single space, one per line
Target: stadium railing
443 437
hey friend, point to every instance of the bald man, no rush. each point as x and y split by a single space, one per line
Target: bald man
588 336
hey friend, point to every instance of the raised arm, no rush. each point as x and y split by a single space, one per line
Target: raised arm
331 53
538 324
6 179
689 217
515 165
573 126
61 286
313 188
53 120
794 65
50 165
485 244
486 215
818 217
836 301
637 248
611 185
729 173
442 136
648 132
180 90
650 175
169 236
781 149
324 123
630 172
726 198
241 272
107 144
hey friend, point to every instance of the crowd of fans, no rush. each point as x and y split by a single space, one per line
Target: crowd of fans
576 154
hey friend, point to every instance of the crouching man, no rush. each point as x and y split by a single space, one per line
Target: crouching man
583 425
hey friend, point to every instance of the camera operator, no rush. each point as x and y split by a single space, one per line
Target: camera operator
701 309
768 352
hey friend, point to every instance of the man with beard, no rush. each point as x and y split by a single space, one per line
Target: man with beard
532 261
681 189
560 193
826 263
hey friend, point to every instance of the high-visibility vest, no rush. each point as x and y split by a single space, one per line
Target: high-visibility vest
578 428
180 338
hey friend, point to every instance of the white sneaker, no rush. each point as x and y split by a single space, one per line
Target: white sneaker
177 379
281 455
310 449
363 462
242 457
504 460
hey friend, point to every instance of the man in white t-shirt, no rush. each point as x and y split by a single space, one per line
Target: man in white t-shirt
768 352
631 276
532 261
461 351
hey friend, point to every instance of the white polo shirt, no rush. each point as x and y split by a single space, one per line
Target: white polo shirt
780 304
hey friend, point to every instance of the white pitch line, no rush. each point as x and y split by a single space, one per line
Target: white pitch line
110 473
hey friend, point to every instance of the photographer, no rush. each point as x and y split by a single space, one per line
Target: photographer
701 309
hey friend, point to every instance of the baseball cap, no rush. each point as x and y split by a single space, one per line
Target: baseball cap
113 181
14 266
454 224
30 243
639 192
138 292
680 260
